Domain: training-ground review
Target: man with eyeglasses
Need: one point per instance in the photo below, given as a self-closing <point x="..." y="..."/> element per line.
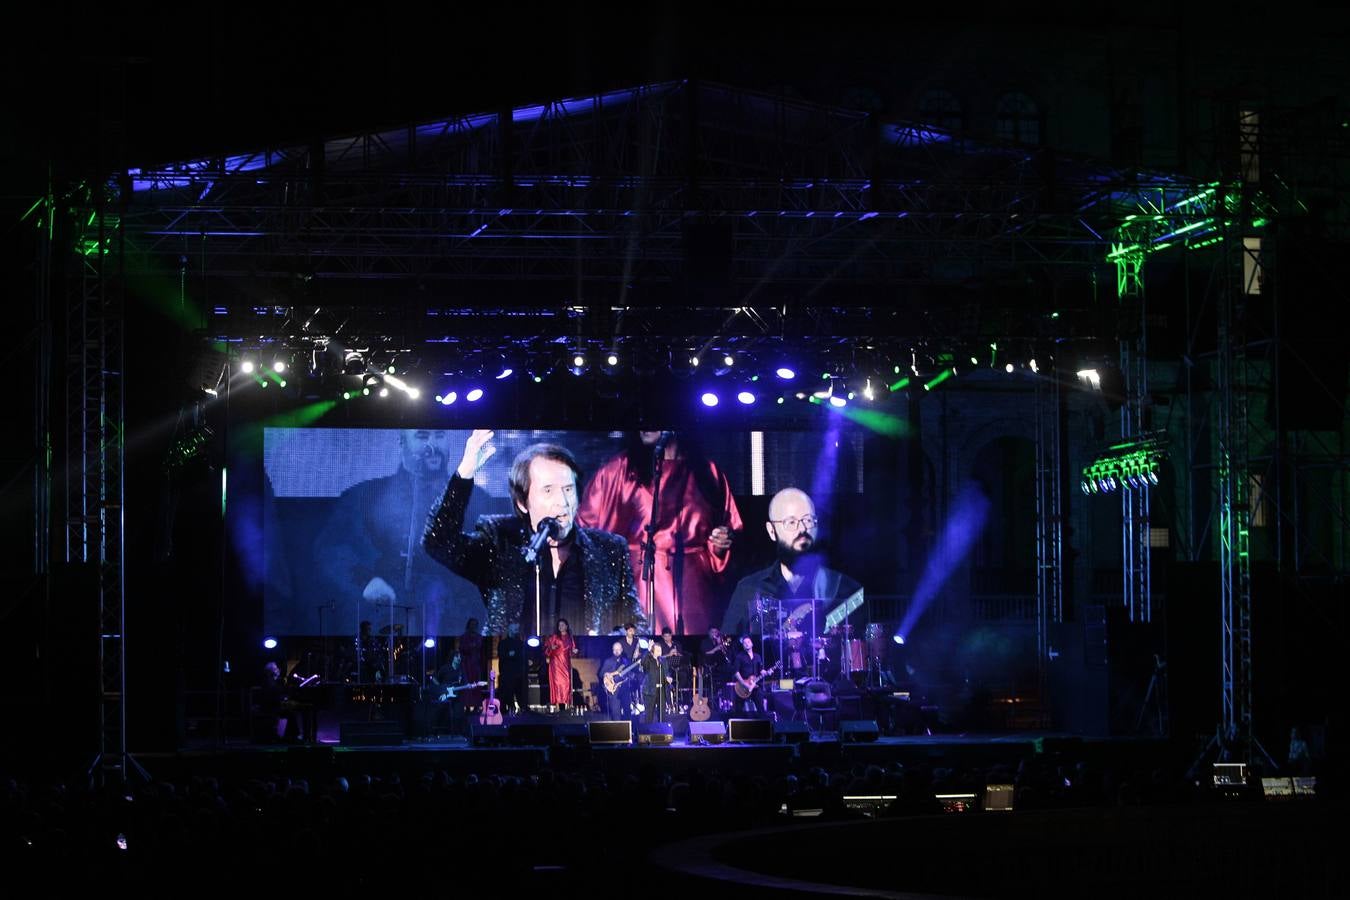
<point x="796" y="573"/>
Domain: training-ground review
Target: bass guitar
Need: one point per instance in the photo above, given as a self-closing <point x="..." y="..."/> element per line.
<point x="745" y="690"/>
<point x="614" y="679"/>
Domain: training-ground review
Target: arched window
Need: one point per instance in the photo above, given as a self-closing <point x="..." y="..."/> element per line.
<point x="1017" y="118"/>
<point x="940" y="109"/>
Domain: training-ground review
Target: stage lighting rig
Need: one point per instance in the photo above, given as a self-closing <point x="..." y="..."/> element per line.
<point x="1133" y="465"/>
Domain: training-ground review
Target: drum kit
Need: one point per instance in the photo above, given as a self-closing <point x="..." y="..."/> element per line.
<point x="387" y="653"/>
<point x="795" y="632"/>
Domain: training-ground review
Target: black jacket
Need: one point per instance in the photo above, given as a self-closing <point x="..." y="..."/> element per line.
<point x="819" y="582"/>
<point x="491" y="558"/>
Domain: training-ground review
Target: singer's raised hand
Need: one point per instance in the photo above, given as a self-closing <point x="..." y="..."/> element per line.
<point x="478" y="449"/>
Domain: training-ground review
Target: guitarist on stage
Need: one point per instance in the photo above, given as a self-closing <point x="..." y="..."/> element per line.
<point x="749" y="670"/>
<point x="618" y="702"/>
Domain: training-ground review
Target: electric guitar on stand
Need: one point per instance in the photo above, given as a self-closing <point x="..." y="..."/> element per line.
<point x="492" y="707"/>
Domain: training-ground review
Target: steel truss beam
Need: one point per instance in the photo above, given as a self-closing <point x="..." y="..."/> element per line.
<point x="608" y="188"/>
<point x="95" y="421"/>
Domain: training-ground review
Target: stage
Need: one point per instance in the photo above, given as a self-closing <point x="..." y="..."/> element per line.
<point x="564" y="746"/>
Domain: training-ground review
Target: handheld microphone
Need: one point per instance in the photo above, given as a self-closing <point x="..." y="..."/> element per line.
<point x="661" y="442"/>
<point x="548" y="528"/>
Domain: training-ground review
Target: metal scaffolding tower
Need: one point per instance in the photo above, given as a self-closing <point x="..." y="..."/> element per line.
<point x="1049" y="416"/>
<point x="95" y="466"/>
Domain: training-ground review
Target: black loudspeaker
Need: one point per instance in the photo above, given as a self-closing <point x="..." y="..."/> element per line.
<point x="529" y="734"/>
<point x="792" y="732"/>
<point x="1312" y="371"/>
<point x="757" y="731"/>
<point x="1193" y="649"/>
<point x="1100" y="670"/>
<point x="487" y="735"/>
<point x="656" y="733"/>
<point x="571" y="734"/>
<point x="370" y="734"/>
<point x="616" y="732"/>
<point x="707" y="732"/>
<point x="852" y="731"/>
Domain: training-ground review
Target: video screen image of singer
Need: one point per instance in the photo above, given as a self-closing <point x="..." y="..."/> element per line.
<point x="330" y="526"/>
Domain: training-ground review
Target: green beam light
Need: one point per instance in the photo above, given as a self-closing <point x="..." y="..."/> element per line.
<point x="873" y="420"/>
<point x="298" y="418"/>
<point x="941" y="377"/>
<point x="900" y="385"/>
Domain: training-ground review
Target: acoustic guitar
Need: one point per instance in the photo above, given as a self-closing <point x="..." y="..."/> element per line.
<point x="492" y="707"/>
<point x="699" y="710"/>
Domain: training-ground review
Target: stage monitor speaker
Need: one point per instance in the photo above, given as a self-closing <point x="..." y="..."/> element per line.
<point x="757" y="731"/>
<point x="370" y="734"/>
<point x="707" y="732"/>
<point x="529" y="734"/>
<point x="615" y="732"/>
<point x="656" y="733"/>
<point x="792" y="732"/>
<point x="855" y="730"/>
<point x="571" y="734"/>
<point x="487" y="735"/>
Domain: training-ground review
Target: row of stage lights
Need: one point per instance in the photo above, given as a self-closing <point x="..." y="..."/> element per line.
<point x="271" y="643"/>
<point x="833" y="389"/>
<point x="1131" y="466"/>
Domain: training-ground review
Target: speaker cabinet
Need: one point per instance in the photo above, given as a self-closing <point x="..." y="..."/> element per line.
<point x="615" y="732"/>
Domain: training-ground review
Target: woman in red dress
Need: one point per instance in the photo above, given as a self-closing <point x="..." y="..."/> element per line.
<point x="558" y="650"/>
<point x="695" y="526"/>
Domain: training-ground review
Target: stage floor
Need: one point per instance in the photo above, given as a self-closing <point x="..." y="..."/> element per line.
<point x="569" y="750"/>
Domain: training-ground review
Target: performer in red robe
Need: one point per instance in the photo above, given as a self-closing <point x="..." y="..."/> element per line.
<point x="695" y="526"/>
<point x="558" y="650"/>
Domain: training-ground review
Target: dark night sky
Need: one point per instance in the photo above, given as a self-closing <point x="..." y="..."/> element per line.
<point x="236" y="78"/>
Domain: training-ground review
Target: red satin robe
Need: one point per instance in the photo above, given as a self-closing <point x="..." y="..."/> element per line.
<point x="688" y="573"/>
<point x="558" y="650"/>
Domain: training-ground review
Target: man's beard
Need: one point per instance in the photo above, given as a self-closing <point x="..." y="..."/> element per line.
<point x="427" y="464"/>
<point x="788" y="554"/>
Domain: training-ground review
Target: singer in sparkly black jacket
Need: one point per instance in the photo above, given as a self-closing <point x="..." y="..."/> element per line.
<point x="492" y="558"/>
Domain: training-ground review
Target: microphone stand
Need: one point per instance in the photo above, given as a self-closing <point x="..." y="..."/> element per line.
<point x="649" y="542"/>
